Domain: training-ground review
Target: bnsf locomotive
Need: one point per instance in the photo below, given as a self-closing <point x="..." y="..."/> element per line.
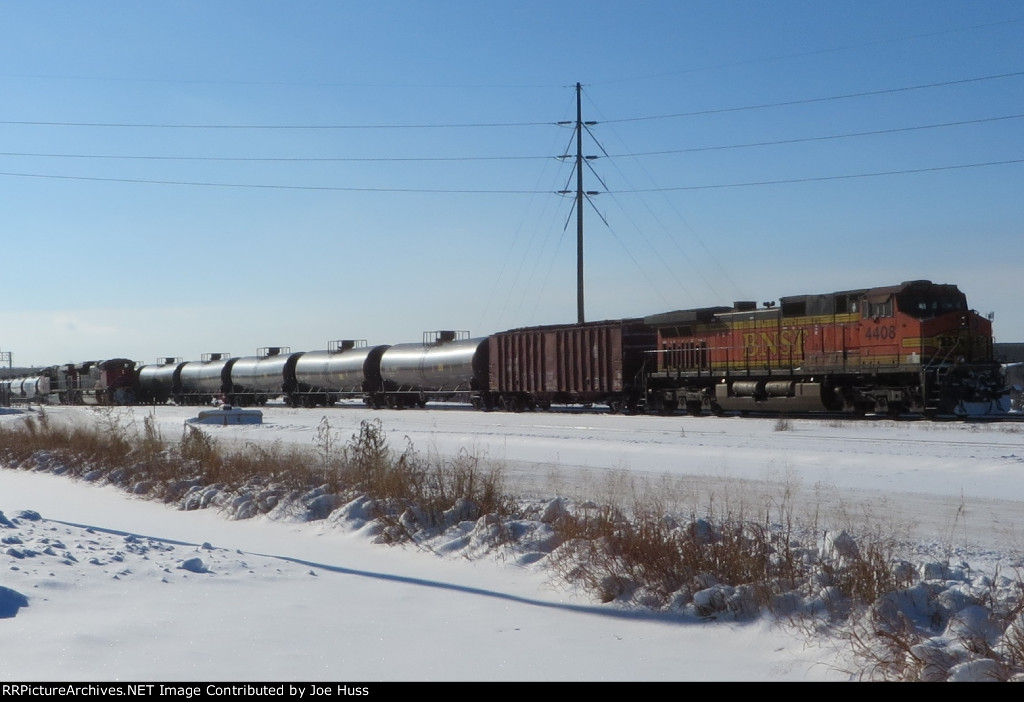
<point x="914" y="347"/>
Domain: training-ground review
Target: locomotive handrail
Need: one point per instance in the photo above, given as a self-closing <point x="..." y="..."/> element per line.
<point x="934" y="362"/>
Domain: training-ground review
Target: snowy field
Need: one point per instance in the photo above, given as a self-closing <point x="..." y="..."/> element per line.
<point x="109" y="598"/>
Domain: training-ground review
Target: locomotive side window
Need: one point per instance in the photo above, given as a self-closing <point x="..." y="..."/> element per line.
<point x="845" y="304"/>
<point x="878" y="309"/>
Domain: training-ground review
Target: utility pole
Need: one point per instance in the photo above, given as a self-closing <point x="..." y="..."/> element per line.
<point x="580" y="317"/>
<point x="580" y="195"/>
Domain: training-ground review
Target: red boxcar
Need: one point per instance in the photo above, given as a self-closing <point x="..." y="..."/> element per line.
<point x="592" y="363"/>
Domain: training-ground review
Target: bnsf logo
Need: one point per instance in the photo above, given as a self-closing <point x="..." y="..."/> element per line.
<point x="789" y="342"/>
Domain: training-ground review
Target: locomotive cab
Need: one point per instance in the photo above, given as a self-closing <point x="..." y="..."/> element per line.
<point x="935" y="351"/>
<point x="924" y="300"/>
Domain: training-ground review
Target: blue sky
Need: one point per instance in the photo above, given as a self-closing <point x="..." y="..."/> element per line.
<point x="188" y="177"/>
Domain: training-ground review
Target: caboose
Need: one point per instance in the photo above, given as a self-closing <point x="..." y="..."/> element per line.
<point x="914" y="347"/>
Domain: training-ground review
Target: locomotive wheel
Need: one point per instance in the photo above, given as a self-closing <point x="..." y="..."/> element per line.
<point x="895" y="409"/>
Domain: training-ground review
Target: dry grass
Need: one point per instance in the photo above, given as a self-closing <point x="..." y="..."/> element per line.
<point x="414" y="491"/>
<point x="613" y="552"/>
<point x="435" y="490"/>
<point x="641" y="550"/>
<point x="888" y="646"/>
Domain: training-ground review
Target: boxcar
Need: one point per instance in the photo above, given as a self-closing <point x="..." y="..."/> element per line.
<point x="591" y="363"/>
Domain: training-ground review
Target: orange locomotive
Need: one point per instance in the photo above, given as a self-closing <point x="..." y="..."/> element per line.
<point x="913" y="347"/>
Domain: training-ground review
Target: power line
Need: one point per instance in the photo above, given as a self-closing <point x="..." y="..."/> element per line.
<point x="808" y="101"/>
<point x="331" y="188"/>
<point x="432" y="159"/>
<point x="815" y="52"/>
<point x="798" y="140"/>
<point x="849" y="176"/>
<point x="282" y="159"/>
<point x="284" y="127"/>
<point x="143" y="181"/>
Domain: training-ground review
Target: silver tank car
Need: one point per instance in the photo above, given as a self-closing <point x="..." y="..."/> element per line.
<point x="348" y="368"/>
<point x="442" y="366"/>
<point x="158" y="383"/>
<point x="200" y="381"/>
<point x="256" y="379"/>
<point x="26" y="389"/>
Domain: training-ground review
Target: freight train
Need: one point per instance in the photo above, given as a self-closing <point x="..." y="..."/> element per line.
<point x="909" y="348"/>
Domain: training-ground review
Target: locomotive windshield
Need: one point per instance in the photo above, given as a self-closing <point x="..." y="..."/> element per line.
<point x="931" y="302"/>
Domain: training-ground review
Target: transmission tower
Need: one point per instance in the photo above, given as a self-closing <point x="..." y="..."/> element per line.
<point x="580" y="193"/>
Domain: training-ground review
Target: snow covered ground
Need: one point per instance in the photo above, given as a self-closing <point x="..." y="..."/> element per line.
<point x="109" y="598"/>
